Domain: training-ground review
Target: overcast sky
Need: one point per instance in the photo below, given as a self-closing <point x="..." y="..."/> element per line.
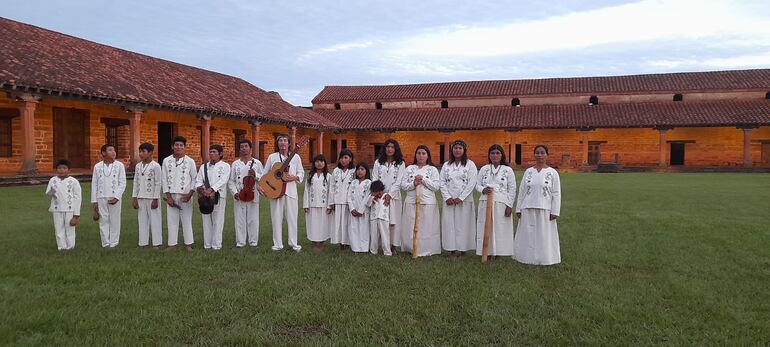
<point x="297" y="47"/>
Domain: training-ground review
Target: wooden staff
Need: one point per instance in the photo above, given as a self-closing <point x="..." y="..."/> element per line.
<point x="415" y="241"/>
<point x="487" y="226"/>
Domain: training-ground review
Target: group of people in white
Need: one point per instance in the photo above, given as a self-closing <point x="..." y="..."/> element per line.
<point x="350" y="205"/>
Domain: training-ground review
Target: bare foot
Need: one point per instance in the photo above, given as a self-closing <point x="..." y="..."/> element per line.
<point x="188" y="248"/>
<point x="171" y="248"/>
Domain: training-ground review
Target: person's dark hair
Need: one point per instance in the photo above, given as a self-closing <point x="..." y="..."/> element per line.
<point x="313" y="169"/>
<point x="366" y="167"/>
<point x="218" y="148"/>
<point x="398" y="157"/>
<point x="61" y="162"/>
<point x="503" y="161"/>
<point x="343" y="153"/>
<point x="541" y="145"/>
<point x="429" y="161"/>
<point x="179" y="139"/>
<point x="377" y="186"/>
<point x="149" y="147"/>
<point x="105" y="147"/>
<point x="245" y="141"/>
<point x="464" y="158"/>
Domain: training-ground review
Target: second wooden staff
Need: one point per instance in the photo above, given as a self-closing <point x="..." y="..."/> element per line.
<point x="487" y="226"/>
<point x="415" y="241"/>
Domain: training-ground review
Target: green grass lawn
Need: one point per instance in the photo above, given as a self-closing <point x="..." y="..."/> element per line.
<point x="648" y="259"/>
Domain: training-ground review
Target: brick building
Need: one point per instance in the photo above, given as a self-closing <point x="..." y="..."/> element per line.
<point x="64" y="97"/>
<point x="693" y="120"/>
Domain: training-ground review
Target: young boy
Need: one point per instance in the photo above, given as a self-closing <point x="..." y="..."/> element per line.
<point x="146" y="194"/>
<point x="64" y="191"/>
<point x="107" y="187"/>
<point x="380" y="216"/>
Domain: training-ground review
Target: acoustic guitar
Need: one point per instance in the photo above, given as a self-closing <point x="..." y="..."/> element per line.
<point x="272" y="182"/>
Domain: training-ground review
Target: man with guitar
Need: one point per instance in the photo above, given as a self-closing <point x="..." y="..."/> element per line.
<point x="284" y="205"/>
<point x="244" y="174"/>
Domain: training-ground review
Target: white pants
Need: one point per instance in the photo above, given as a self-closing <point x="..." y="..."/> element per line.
<point x="109" y="222"/>
<point x="284" y="206"/>
<point x="379" y="230"/>
<point x="396" y="208"/>
<point x="213" y="225"/>
<point x="173" y="215"/>
<point x="246" y="222"/>
<point x="65" y="234"/>
<point x="150" y="220"/>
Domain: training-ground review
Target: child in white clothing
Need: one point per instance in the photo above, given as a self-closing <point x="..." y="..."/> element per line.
<point x="379" y="215"/>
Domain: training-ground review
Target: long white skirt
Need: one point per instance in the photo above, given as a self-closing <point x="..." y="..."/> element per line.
<point x="340" y="223"/>
<point x="429" y="232"/>
<point x="458" y="227"/>
<point x="359" y="233"/>
<point x="501" y="240"/>
<point x="317" y="223"/>
<point x="537" y="238"/>
<point x="396" y="209"/>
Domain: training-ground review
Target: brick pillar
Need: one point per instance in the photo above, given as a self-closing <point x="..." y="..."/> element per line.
<point x="205" y="137"/>
<point x="746" y="147"/>
<point x="293" y="138"/>
<point x="135" y="125"/>
<point x="320" y="142"/>
<point x="512" y="152"/>
<point x="255" y="127"/>
<point x="662" y="147"/>
<point x="447" y="150"/>
<point x="29" y="152"/>
<point x="584" y="151"/>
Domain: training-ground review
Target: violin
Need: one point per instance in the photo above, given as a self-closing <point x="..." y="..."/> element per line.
<point x="249" y="181"/>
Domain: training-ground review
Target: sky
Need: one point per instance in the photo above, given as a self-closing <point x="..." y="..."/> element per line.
<point x="298" y="47"/>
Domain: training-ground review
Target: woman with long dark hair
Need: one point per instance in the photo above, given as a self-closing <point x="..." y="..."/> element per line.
<point x="458" y="216"/>
<point x="316" y="202"/>
<point x="496" y="180"/>
<point x="343" y="174"/>
<point x="422" y="176"/>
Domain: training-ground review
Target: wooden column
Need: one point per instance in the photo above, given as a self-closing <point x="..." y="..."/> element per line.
<point x="447" y="150"/>
<point x="29" y="152"/>
<point x="135" y="124"/>
<point x="255" y="127"/>
<point x="662" y="147"/>
<point x="339" y="145"/>
<point x="746" y="147"/>
<point x="205" y="137"/>
<point x="320" y="142"/>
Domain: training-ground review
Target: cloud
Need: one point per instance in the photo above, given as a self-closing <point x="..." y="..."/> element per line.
<point x="742" y="61"/>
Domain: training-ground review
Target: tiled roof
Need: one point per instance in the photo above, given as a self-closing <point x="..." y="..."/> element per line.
<point x="32" y="57"/>
<point x="633" y="84"/>
<point x="670" y="114"/>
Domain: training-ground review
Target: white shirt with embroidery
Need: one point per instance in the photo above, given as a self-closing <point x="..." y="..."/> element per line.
<point x="540" y="190"/>
<point x="178" y="175"/>
<point x="65" y="195"/>
<point x="219" y="175"/>
<point x="391" y="176"/>
<point x="358" y="194"/>
<point x="295" y="168"/>
<point x="430" y="182"/>
<point x="147" y="181"/>
<point x="239" y="170"/>
<point x="341" y="179"/>
<point x="458" y="180"/>
<point x="108" y="181"/>
<point x="317" y="194"/>
<point x="501" y="179"/>
<point x="378" y="209"/>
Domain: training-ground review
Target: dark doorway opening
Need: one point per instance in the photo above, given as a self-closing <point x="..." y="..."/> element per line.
<point x="166" y="133"/>
<point x="70" y="136"/>
<point x="677" y="153"/>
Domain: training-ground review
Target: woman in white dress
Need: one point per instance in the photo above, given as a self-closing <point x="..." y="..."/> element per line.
<point x="359" y="213"/>
<point x="424" y="176"/>
<point x="389" y="168"/>
<point x="458" y="217"/>
<point x="343" y="174"/>
<point x="497" y="179"/>
<point x="315" y="203"/>
<point x="538" y="207"/>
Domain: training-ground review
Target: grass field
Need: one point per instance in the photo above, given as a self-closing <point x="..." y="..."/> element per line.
<point x="648" y="259"/>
